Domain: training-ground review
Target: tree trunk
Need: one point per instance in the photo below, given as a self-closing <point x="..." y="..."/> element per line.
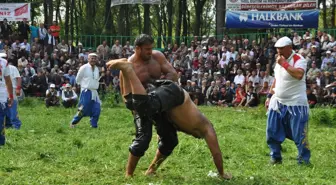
<point x="45" y="11"/>
<point x="89" y="8"/>
<point x="121" y="17"/>
<point x="139" y="19"/>
<point x="127" y="21"/>
<point x="178" y="22"/>
<point x="164" y="18"/>
<point x="146" y="19"/>
<point x="67" y="17"/>
<point x="170" y="20"/>
<point x="50" y="12"/>
<point x="333" y="6"/>
<point x="159" y="23"/>
<point x="58" y="4"/>
<point x="220" y="17"/>
<point x="185" y="20"/>
<point x="199" y="4"/>
<point x="77" y="25"/>
<point x="108" y="17"/>
<point x="325" y="24"/>
<point x="72" y="30"/>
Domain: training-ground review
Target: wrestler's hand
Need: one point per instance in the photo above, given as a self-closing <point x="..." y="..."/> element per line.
<point x="17" y="92"/>
<point x="10" y="102"/>
<point x="267" y="102"/>
<point x="280" y="59"/>
<point x="226" y="176"/>
<point x="109" y="63"/>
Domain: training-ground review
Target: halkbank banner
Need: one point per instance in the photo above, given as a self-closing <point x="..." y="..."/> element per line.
<point x="272" y="19"/>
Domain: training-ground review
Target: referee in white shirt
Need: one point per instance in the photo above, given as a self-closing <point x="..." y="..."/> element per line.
<point x="89" y="102"/>
<point x="288" y="104"/>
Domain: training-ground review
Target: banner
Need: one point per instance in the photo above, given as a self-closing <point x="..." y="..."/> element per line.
<point x="271" y="4"/>
<point x="121" y="2"/>
<point x="14" y="11"/>
<point x="272" y="19"/>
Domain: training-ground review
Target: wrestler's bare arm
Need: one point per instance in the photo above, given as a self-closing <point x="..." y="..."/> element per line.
<point x="166" y="68"/>
<point x="272" y="87"/>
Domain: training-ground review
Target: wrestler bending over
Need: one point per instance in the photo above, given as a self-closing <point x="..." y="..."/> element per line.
<point x="182" y="111"/>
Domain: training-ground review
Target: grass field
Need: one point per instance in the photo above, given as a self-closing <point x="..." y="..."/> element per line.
<point x="47" y="151"/>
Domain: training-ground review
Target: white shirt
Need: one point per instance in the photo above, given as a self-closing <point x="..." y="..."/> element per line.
<point x="3" y="72"/>
<point x="254" y="79"/>
<point x="14" y="74"/>
<point x="289" y="90"/>
<point x="89" y="79"/>
<point x="74" y="96"/>
<point x="239" y="79"/>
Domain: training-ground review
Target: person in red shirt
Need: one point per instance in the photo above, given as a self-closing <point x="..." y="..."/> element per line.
<point x="55" y="30"/>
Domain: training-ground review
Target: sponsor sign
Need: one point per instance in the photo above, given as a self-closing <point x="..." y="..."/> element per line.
<point x="272" y="19"/>
<point x="14" y="11"/>
<point x="271" y="4"/>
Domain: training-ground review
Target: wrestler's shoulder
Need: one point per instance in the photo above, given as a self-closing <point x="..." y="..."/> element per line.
<point x="158" y="56"/>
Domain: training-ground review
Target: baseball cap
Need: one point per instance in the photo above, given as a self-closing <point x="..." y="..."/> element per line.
<point x="93" y="54"/>
<point x="52" y="86"/>
<point x="67" y="85"/>
<point x="328" y="52"/>
<point x="282" y="42"/>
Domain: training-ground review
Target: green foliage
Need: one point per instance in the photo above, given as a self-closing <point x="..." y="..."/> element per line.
<point x="47" y="151"/>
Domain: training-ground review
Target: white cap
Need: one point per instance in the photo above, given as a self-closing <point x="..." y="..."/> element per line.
<point x="3" y="55"/>
<point x="204" y="47"/>
<point x="282" y="42"/>
<point x="93" y="54"/>
<point x="328" y="51"/>
<point x="52" y="86"/>
<point x="67" y="85"/>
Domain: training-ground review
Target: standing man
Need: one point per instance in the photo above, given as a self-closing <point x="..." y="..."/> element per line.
<point x="12" y="112"/>
<point x="287" y="104"/>
<point x="5" y="100"/>
<point x="89" y="102"/>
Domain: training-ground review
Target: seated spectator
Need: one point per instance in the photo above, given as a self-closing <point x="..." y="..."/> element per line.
<point x="240" y="96"/>
<point x="52" y="96"/>
<point x="312" y="72"/>
<point x="312" y="100"/>
<point x="225" y="98"/>
<point x="214" y="97"/>
<point x="69" y="97"/>
<point x="264" y="90"/>
<point x="251" y="98"/>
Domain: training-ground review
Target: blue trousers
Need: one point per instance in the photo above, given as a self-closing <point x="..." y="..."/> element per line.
<point x="12" y="118"/>
<point x="290" y="122"/>
<point x="2" y="124"/>
<point x="87" y="107"/>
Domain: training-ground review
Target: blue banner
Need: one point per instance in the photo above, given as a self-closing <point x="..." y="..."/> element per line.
<point x="272" y="19"/>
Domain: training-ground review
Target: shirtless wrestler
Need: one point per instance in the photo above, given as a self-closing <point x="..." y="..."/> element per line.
<point x="167" y="99"/>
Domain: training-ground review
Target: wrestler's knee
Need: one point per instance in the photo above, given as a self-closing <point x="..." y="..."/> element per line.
<point x="167" y="145"/>
<point x="140" y="146"/>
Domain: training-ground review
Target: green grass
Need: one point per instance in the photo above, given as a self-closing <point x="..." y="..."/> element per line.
<point x="47" y="151"/>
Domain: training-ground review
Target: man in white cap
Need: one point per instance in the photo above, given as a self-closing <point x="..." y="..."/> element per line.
<point x="52" y="96"/>
<point x="287" y="104"/>
<point x="6" y="95"/>
<point x="69" y="97"/>
<point x="89" y="102"/>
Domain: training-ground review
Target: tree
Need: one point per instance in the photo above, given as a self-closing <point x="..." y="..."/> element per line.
<point x="220" y="16"/>
<point x="199" y="4"/>
<point x="146" y="29"/>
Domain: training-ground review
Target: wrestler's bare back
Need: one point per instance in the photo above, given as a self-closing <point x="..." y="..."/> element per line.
<point x="186" y="116"/>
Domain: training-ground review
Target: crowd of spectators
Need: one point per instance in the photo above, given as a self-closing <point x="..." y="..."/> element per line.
<point x="226" y="72"/>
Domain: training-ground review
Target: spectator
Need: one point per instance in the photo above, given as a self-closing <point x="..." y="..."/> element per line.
<point x="55" y="30"/>
<point x="52" y="96"/>
<point x="69" y="97"/>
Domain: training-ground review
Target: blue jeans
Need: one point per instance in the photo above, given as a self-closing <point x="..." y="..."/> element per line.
<point x="12" y="118"/>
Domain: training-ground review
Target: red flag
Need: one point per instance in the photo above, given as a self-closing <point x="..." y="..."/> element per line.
<point x="21" y="10"/>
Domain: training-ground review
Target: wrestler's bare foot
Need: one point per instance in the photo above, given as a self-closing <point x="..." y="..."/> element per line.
<point x="150" y="171"/>
<point x="121" y="64"/>
<point x="226" y="176"/>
